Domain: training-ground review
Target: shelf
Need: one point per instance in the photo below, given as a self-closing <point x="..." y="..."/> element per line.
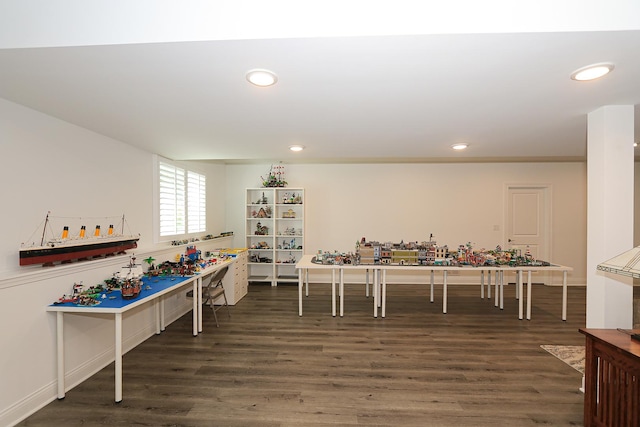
<point x="260" y="279"/>
<point x="283" y="231"/>
<point x="287" y="279"/>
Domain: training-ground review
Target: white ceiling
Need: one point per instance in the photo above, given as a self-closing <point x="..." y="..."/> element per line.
<point x="350" y="98"/>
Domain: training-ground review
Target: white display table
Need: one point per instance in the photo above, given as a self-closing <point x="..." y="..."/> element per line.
<point x="159" y="288"/>
<point x="380" y="282"/>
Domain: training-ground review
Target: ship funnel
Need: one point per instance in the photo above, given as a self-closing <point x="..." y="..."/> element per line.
<point x="110" y="229"/>
<point x="83" y="230"/>
<point x="97" y="232"/>
<point x="65" y="232"/>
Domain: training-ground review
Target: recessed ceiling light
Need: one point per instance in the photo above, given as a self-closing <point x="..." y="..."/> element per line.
<point x="592" y="72"/>
<point x="635" y="144"/>
<point x="459" y="146"/>
<point x="296" y="147"/>
<point x="262" y="78"/>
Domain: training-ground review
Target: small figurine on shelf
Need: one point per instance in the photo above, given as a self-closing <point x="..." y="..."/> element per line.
<point x="262" y="213"/>
<point x="261" y="230"/>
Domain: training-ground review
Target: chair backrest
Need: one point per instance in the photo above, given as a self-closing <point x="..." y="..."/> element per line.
<point x="218" y="276"/>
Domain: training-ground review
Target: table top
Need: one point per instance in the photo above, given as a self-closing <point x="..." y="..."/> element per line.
<point x="152" y="287"/>
<point x="305" y="262"/>
<point x="617" y="338"/>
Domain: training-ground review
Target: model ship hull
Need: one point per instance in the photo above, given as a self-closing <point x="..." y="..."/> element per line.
<point x="68" y="252"/>
<point x="130" y="288"/>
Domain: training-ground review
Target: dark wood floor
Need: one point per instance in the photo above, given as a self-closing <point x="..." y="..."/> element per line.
<point x="475" y="366"/>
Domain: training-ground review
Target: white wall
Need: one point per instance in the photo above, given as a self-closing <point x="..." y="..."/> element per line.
<point x="458" y="203"/>
<point x="52" y="165"/>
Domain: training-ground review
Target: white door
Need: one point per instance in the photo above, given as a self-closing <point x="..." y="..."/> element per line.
<point x="528" y="222"/>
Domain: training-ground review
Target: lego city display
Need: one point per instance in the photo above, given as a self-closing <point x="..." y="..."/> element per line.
<point x="428" y="253"/>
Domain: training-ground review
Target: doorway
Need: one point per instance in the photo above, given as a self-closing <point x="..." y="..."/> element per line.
<point x="528" y="222"/>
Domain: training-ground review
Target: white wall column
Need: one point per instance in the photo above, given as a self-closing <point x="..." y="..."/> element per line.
<point x="610" y="177"/>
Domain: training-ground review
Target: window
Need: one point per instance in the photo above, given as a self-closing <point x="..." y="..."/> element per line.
<point x="182" y="201"/>
<point x="196" y="202"/>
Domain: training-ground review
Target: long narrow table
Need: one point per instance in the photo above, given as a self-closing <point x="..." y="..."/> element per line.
<point x="153" y="291"/>
<point x="380" y="282"/>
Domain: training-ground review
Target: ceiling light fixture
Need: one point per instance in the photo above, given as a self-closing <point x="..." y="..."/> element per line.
<point x="459" y="146"/>
<point x="296" y="148"/>
<point x="592" y="72"/>
<point x="262" y="78"/>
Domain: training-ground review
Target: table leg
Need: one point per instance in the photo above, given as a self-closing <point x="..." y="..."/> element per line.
<point x="118" y="356"/>
<point x="333" y="292"/>
<point x="502" y="290"/>
<point x="60" y="350"/>
<point x="519" y="285"/>
<point x="156" y="312"/>
<point x="496" y="289"/>
<point x="375" y="293"/>
<point x="306" y="281"/>
<point x="444" y="291"/>
<point x="432" y="282"/>
<point x="366" y="283"/>
<point x="379" y="288"/>
<point x="341" y="292"/>
<point x="518" y="291"/>
<point x="162" y="325"/>
<point x="564" y="295"/>
<point x="199" y="280"/>
<point x="384" y="293"/>
<point x="195" y="308"/>
<point x="489" y="284"/>
<point x="529" y="286"/>
<point x="481" y="284"/>
<point x="300" y="284"/>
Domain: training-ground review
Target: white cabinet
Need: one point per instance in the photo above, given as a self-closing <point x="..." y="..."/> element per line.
<point x="235" y="281"/>
<point x="274" y="233"/>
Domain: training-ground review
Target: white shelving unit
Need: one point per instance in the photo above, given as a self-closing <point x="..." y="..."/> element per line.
<point x="274" y="233"/>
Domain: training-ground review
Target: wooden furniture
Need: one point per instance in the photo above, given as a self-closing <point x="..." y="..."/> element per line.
<point x="159" y="287"/>
<point x="612" y="378"/>
<point x="274" y="232"/>
<point x="380" y="282"/>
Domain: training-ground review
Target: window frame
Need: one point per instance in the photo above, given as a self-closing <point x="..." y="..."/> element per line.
<point x="189" y="184"/>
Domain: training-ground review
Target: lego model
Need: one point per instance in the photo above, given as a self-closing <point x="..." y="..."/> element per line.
<point x="67" y="248"/>
<point x="427" y="252"/>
